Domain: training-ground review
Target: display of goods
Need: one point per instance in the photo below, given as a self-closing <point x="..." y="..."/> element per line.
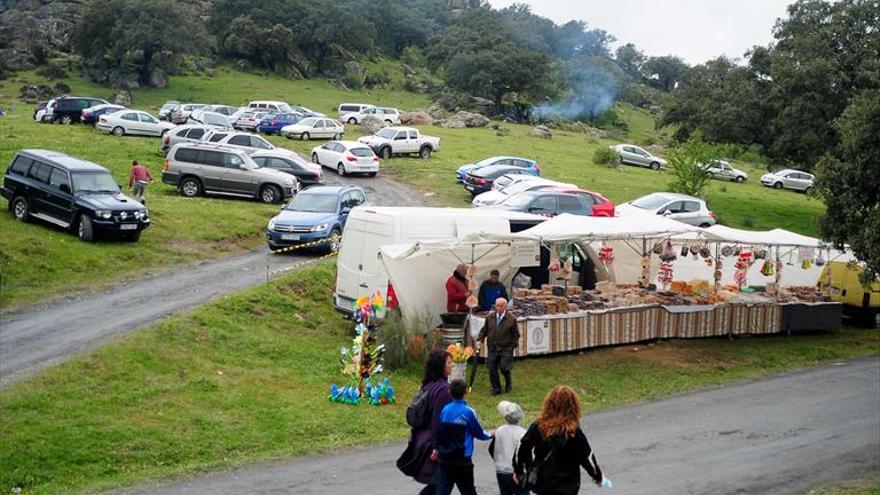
<point x="657" y="248"/>
<point x="472" y="271"/>
<point x="680" y="287"/>
<point x="664" y="275"/>
<point x="472" y="302"/>
<point x="646" y="271"/>
<point x="760" y="254"/>
<point x="820" y="260"/>
<point x="472" y="284"/>
<point x="574" y="290"/>
<point x="684" y="251"/>
<point x="671" y="299"/>
<point x="705" y="252"/>
<point x="520" y="293"/>
<point x="527" y="307"/>
<point x="727" y="251"/>
<point x="695" y="248"/>
<point x="554" y="265"/>
<point x="668" y="254"/>
<point x="806" y="264"/>
<point x="806" y="293"/>
<point x="567" y="268"/>
<point x="606" y="286"/>
<point x="767" y="269"/>
<point x="606" y="255"/>
<point x="806" y="254"/>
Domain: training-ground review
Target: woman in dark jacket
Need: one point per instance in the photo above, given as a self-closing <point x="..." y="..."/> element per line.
<point x="557" y="448"/>
<point x="422" y="441"/>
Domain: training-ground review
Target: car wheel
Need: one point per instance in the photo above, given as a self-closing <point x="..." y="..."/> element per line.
<point x="740" y="179"/>
<point x="66" y="119"/>
<point x="304" y="136"/>
<point x="315" y="158"/>
<point x="808" y="190"/>
<point x="84" y="230"/>
<point x="425" y="152"/>
<point x="133" y="236"/>
<point x="371" y="174"/>
<point x="270" y="194"/>
<point x="352" y="121"/>
<point x="288" y="136"/>
<point x="777" y="185"/>
<point x="340" y="169"/>
<point x="21" y="210"/>
<point x="385" y="152"/>
<point x="297" y="186"/>
<point x="337" y="137"/>
<point x="190" y="187"/>
<point x="118" y="131"/>
<point x="655" y="165"/>
<point x="334" y="241"/>
<point x="704" y="225"/>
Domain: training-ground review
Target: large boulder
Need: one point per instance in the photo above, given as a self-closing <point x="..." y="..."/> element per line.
<point x="416" y="118"/>
<point x="123" y="98"/>
<point x="542" y="132"/>
<point x="372" y="125"/>
<point x="482" y="102"/>
<point x="354" y="74"/>
<point x="467" y="119"/>
<point x="436" y="111"/>
<point x="158" y="79"/>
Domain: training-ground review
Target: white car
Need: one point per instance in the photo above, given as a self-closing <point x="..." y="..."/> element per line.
<point x="314" y="127"/>
<point x="133" y="122"/>
<point x="346" y="157"/>
<point x="401" y="141"/>
<point x="211" y="119"/>
<point x="633" y="155"/>
<point x="181" y="113"/>
<point x="521" y="183"/>
<point x="719" y="169"/>
<point x="681" y="207"/>
<point x="241" y="140"/>
<point x="391" y="116"/>
<point x="789" y="179"/>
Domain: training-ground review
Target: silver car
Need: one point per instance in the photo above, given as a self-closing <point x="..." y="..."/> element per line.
<point x="789" y="179"/>
<point x="719" y="169"/>
<point x="196" y="168"/>
<point x="681" y="207"/>
<point x="237" y="139"/>
<point x="633" y="155"/>
<point x="183" y="134"/>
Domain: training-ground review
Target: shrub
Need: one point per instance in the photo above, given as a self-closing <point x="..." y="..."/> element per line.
<point x="54" y="69"/>
<point x="686" y="163"/>
<point x="406" y="345"/>
<point x="748" y="222"/>
<point x="606" y="156"/>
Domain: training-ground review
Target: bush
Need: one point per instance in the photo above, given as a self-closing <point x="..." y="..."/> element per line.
<point x="606" y="156"/>
<point x="377" y="76"/>
<point x="686" y="163"/>
<point x="54" y="69"/>
<point x="406" y="345"/>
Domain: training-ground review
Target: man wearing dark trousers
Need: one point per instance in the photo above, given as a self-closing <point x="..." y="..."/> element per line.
<point x="502" y="336"/>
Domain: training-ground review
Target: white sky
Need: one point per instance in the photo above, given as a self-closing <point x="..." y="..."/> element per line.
<point x="695" y="30"/>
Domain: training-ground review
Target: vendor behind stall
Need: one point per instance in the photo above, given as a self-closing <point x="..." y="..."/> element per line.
<point x="491" y="290"/>
<point x="457" y="290"/>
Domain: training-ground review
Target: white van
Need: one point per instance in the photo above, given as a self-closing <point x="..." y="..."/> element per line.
<point x="347" y="108"/>
<point x="270" y="106"/>
<point x="359" y="272"/>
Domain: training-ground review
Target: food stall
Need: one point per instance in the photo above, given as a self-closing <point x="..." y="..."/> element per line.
<point x="655" y="278"/>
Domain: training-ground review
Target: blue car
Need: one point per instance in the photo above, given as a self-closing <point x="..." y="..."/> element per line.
<point x="272" y="124"/>
<point x="515" y="161"/>
<point x="314" y="214"/>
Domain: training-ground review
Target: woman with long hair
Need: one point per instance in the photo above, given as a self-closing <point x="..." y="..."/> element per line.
<point x="416" y="459"/>
<point x="555" y="447"/>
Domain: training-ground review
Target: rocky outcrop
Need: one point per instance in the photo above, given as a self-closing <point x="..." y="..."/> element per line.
<point x="542" y="132"/>
<point x="123" y="98"/>
<point x="416" y="118"/>
<point x="466" y="119"/>
<point x="35" y="31"/>
<point x="371" y="125"/>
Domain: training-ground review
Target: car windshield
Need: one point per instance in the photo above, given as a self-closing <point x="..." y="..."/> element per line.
<point x="650" y="202"/>
<point x="169" y="106"/>
<point x="518" y="201"/>
<point x="307" y="122"/>
<point x="487" y="161"/>
<point x="517" y="187"/>
<point x="94" y="182"/>
<point x="387" y="133"/>
<point x="313" y="203"/>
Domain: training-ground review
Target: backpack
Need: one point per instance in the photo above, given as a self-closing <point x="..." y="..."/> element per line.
<point x="418" y="413"/>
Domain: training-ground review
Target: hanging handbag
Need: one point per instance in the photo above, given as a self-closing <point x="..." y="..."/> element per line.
<point x="530" y="477"/>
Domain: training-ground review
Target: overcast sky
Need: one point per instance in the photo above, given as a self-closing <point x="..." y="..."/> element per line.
<point x="695" y="30"/>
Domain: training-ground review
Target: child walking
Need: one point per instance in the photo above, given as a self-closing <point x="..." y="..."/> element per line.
<point x="504" y="446"/>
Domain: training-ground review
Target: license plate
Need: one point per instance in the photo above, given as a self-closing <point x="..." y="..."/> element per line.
<point x="290" y="237"/>
<point x="128" y="226"/>
<point x="469" y="188"/>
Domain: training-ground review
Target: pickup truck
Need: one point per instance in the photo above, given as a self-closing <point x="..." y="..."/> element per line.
<point x="401" y="141"/>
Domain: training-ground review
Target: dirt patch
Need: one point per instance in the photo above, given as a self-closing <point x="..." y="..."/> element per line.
<point x="673" y="355"/>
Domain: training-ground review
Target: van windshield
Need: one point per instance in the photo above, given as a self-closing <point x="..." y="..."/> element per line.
<point x="94" y="182"/>
<point x="313" y="203"/>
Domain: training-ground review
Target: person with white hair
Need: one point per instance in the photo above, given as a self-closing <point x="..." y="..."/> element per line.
<point x="501" y="333"/>
<point x="504" y="446"/>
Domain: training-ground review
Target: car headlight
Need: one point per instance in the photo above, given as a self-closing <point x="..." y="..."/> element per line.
<point x="271" y="224"/>
<point x="289" y="182"/>
<point x="104" y="214"/>
<point x="320" y="227"/>
<point x="139" y="214"/>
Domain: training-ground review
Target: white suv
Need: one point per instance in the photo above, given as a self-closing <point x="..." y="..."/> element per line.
<point x="391" y="116"/>
<point x="241" y="140"/>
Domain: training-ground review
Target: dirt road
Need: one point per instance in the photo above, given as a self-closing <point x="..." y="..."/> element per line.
<point x="36" y="337"/>
<point x="781" y="435"/>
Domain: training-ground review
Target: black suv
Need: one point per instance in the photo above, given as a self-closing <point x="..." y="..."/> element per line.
<point x="71" y="193"/>
<point x="68" y="109"/>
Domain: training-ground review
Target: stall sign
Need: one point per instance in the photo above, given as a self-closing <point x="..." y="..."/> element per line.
<point x="538" y="339"/>
<point x="524" y="254"/>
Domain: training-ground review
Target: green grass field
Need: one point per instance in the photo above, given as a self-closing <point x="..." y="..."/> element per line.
<point x="246" y="378"/>
<point x="38" y="261"/>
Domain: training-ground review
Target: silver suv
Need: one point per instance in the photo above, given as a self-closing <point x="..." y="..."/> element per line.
<point x="235" y="139"/>
<point x="195" y="168"/>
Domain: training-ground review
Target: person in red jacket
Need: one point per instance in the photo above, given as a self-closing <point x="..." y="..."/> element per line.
<point x="457" y="290"/>
<point x="138" y="178"/>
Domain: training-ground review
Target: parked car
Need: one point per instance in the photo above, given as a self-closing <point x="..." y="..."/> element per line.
<point x="181" y="113"/>
<point x="390" y="116"/>
<point x="196" y="168"/>
<point x="401" y="141"/>
<point x="38" y="108"/>
<point x="270" y="106"/>
<point x="516" y="161"/>
<point x="272" y="123"/>
<point x="789" y="179"/>
<point x="41" y="114"/>
<point x="236" y="139"/>
<point x="90" y="115"/>
<point x="347" y="108"/>
<point x="248" y="120"/>
<point x="346" y="157"/>
<point x="307" y="173"/>
<point x="71" y="193"/>
<point x="316" y="213"/>
<point x="68" y="109"/>
<point x="182" y="134"/>
<point x="221" y="109"/>
<point x="167" y="108"/>
<point x="548" y="202"/>
<point x="633" y="155"/>
<point x="600" y="205"/>
<point x="481" y="179"/>
<point x="211" y="119"/>
<point x="681" y="207"/>
<point x="720" y="169"/>
<point x="133" y="122"/>
<point x="518" y="184"/>
<point x="314" y="127"/>
<point x="306" y="112"/>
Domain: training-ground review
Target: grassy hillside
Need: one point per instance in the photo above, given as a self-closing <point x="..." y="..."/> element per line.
<point x="39" y="261"/>
<point x="246" y="378"/>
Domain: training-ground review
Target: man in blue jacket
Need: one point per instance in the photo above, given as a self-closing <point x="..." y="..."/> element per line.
<point x="455" y="444"/>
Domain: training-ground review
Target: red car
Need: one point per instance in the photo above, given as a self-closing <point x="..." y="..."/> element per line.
<point x="602" y="206"/>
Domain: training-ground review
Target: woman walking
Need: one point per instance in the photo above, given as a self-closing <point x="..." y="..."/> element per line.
<point x="556" y="448"/>
<point x="416" y="459"/>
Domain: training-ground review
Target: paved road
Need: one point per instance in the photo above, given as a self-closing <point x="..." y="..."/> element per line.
<point x="781" y="435"/>
<point x="37" y="337"/>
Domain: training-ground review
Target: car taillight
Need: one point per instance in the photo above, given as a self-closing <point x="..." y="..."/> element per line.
<point x="351" y="158"/>
<point x="375" y="158"/>
<point x="103" y="119"/>
<point x="274" y="122"/>
<point x="167" y="139"/>
<point x="712" y="214"/>
<point x="481" y="181"/>
<point x="318" y="175"/>
<point x="538" y="168"/>
<point x="165" y="165"/>
<point x="391" y="298"/>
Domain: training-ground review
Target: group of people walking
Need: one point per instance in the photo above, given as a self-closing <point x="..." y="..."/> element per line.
<point x="544" y="458"/>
